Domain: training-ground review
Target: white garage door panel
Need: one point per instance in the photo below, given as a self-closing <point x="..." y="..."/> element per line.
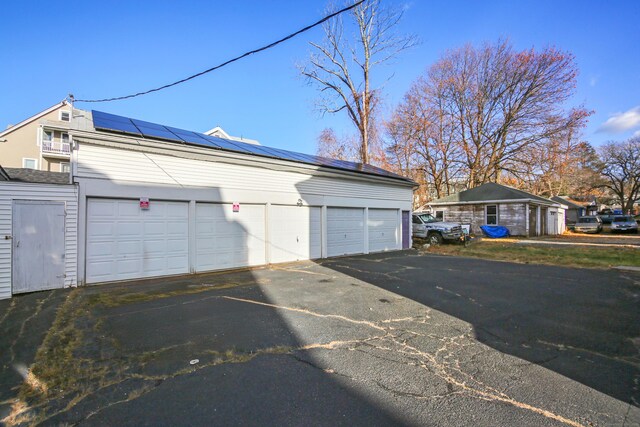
<point x="345" y="231"/>
<point x="295" y="233"/>
<point x="126" y="242"/>
<point x="383" y="230"/>
<point x="227" y="239"/>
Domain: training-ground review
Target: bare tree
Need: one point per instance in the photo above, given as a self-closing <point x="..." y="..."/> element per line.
<point x="621" y="170"/>
<point x="504" y="102"/>
<point x="331" y="146"/>
<point x="493" y="114"/>
<point x="341" y="67"/>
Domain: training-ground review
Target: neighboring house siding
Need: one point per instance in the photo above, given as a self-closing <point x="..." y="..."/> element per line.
<point x="23" y="143"/>
<point x="124" y="165"/>
<point x="514" y="217"/>
<point x="10" y="191"/>
<point x="510" y="215"/>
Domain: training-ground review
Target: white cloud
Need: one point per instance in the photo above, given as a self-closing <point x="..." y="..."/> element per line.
<point x="636" y="134"/>
<point x="621" y="122"/>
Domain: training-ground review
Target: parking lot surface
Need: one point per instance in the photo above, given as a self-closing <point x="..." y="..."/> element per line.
<point x="389" y="339"/>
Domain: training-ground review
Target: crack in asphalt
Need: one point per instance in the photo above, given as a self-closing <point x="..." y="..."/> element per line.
<point x="447" y="369"/>
<point x="12" y="306"/>
<point x="23" y="325"/>
<point x="630" y="360"/>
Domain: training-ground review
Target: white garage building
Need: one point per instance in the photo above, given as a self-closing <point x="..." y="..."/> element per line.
<point x="157" y="201"/>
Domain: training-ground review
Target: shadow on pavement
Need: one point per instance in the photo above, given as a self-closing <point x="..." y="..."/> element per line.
<point x="583" y="324"/>
<point x="180" y="351"/>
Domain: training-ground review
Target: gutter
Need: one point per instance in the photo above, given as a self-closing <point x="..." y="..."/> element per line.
<point x="484" y="202"/>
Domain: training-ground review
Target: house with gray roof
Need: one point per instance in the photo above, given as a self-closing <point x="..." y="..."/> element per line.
<point x="575" y="209"/>
<point x="523" y="213"/>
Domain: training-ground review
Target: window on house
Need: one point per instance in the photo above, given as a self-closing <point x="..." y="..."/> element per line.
<point x="29" y="163"/>
<point x="64" y="137"/>
<point x="65" y="167"/>
<point x="65" y="116"/>
<point x="440" y="215"/>
<point x="492" y="215"/>
<point x="47" y="135"/>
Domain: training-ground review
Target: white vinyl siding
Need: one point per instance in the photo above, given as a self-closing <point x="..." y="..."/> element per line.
<point x="227" y="239"/>
<point x="384" y="230"/>
<point x="345" y="231"/>
<point x="67" y="194"/>
<point x="125" y="165"/>
<point x="296" y="233"/>
<point x="127" y="242"/>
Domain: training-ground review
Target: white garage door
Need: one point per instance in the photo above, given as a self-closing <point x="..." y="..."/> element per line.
<point x="227" y="239"/>
<point x="126" y="242"/>
<point x="384" y="232"/>
<point x="295" y="233"/>
<point x="345" y="231"/>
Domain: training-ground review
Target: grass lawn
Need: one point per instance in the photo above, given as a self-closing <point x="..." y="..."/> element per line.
<point x="573" y="256"/>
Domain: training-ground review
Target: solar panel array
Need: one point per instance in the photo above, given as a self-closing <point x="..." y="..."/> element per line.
<point x="119" y="124"/>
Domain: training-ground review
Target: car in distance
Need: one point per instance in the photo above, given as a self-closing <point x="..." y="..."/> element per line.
<point x="435" y="231"/>
<point x="624" y="223"/>
<point x="588" y="224"/>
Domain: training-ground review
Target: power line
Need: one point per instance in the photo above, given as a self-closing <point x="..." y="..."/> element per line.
<point x="237" y="58"/>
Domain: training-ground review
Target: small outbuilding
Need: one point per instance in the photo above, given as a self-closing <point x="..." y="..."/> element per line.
<point x="574" y="209"/>
<point x="38" y="231"/>
<point x="523" y="213"/>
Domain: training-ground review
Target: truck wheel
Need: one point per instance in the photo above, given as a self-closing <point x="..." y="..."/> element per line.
<point x="434" y="239"/>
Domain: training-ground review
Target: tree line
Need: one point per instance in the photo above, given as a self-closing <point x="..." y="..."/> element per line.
<point x="488" y="113"/>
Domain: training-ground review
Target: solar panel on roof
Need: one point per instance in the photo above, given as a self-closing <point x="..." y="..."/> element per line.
<point x="154" y="130"/>
<point x="188" y="136"/>
<point x="113" y="123"/>
<point x="226" y="144"/>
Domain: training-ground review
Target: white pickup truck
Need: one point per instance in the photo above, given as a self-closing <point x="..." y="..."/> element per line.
<point x="435" y="231"/>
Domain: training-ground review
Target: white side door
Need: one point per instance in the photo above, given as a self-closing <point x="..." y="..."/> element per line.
<point x="295" y="233"/>
<point x="345" y="231"/>
<point x="37" y="246"/>
<point x="227" y="239"/>
<point x="384" y="230"/>
<point x="127" y="242"/>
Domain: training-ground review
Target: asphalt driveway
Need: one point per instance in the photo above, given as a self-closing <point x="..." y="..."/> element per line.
<point x="387" y="339"/>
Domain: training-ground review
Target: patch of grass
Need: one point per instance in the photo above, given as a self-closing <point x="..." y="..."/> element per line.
<point x="575" y="256"/>
<point x="117" y="298"/>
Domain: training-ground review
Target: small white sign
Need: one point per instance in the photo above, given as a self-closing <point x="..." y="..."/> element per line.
<point x="144" y="203"/>
<point x="236" y="207"/>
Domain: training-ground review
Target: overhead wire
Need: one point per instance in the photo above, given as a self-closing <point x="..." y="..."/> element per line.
<point x="237" y="58"/>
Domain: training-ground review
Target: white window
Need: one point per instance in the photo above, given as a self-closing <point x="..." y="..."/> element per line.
<point x="47" y="135"/>
<point x="65" y="116"/>
<point x="29" y="163"/>
<point x="440" y="215"/>
<point x="492" y="215"/>
<point x="65" y="167"/>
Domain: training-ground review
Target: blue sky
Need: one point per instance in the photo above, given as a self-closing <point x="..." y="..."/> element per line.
<point x="105" y="49"/>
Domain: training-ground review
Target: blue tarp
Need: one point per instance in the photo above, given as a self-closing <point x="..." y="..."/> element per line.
<point x="495" y="231"/>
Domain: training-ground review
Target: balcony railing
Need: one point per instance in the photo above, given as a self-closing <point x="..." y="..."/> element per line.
<point x="55" y="147"/>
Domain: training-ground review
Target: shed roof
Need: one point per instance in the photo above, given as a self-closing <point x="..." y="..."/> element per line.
<point x="490" y="192"/>
<point x="35" y="176"/>
<point x="572" y="204"/>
